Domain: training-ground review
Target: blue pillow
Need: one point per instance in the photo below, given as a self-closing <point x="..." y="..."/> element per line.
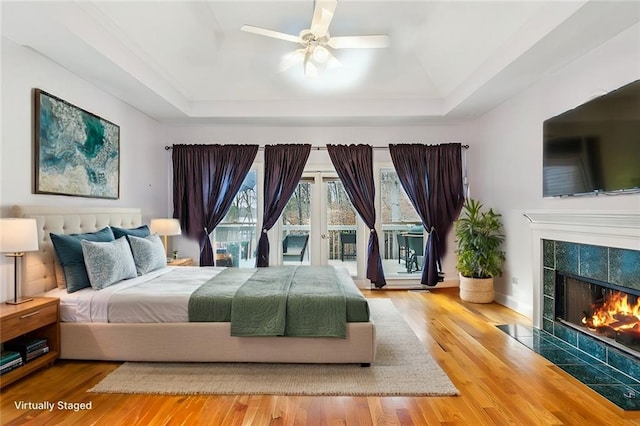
<point x="108" y="262"/>
<point x="140" y="231"/>
<point x="69" y="251"/>
<point x="148" y="253"/>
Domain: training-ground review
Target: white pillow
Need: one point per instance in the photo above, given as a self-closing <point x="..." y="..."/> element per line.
<point x="108" y="262"/>
<point x="148" y="253"/>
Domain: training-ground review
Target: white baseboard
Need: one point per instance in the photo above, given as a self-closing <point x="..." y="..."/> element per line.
<point x="406" y="284"/>
<point x="513" y="304"/>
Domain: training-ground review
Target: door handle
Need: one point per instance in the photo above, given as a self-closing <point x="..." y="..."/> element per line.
<point x="323" y="236"/>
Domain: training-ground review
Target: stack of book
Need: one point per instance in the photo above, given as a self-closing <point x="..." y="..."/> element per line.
<point x="9" y="360"/>
<point x="29" y="348"/>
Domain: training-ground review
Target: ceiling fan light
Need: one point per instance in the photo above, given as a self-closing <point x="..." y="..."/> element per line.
<point x="321" y="54"/>
<point x="310" y="70"/>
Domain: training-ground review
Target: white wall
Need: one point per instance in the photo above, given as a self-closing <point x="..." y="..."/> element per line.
<point x="505" y="165"/>
<point x="142" y="169"/>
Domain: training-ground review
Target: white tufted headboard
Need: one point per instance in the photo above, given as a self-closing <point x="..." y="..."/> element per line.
<point x="38" y="266"/>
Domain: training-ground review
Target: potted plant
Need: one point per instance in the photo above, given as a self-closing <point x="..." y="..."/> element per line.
<point x="479" y="237"/>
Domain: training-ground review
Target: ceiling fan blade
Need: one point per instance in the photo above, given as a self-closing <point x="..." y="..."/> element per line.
<point x="291" y="59"/>
<point x="358" y="42"/>
<point x="322" y="16"/>
<point x="310" y="70"/>
<point x="270" y="33"/>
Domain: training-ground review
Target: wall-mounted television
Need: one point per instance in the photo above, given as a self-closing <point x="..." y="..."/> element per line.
<point x="595" y="147"/>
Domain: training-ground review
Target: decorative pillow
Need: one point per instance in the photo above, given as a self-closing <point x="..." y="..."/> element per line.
<point x="140" y="231"/>
<point x="148" y="253"/>
<point x="108" y="262"/>
<point x="69" y="251"/>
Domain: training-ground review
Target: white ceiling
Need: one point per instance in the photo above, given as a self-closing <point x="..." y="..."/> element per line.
<point x="185" y="62"/>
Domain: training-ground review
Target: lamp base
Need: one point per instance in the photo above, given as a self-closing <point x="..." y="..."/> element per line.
<point x="19" y="301"/>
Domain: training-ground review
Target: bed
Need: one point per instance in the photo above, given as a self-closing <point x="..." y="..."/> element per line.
<point x="178" y="341"/>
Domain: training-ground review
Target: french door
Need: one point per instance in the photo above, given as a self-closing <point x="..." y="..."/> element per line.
<point x="319" y="225"/>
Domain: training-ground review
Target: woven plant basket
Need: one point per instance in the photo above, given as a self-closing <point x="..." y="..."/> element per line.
<point x="476" y="290"/>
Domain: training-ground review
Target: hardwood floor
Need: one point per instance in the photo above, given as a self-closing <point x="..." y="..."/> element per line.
<point x="500" y="381"/>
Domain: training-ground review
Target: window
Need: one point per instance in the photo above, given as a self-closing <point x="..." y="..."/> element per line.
<point x="235" y="237"/>
<point x="296" y="224"/>
<point x="341" y="226"/>
<point x="398" y="218"/>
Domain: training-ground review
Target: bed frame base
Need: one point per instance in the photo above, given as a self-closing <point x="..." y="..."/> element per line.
<point x="210" y="342"/>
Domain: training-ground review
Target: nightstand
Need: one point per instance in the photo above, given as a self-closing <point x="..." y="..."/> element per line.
<point x="184" y="261"/>
<point x="37" y="318"/>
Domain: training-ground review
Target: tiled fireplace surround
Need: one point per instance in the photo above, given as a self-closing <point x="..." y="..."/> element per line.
<point x="592" y="245"/>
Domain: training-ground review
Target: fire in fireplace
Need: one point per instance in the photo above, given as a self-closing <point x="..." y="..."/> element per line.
<point x="617" y="318"/>
<point x="603" y="310"/>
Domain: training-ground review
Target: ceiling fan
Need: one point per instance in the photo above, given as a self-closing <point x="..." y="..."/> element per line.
<point x="316" y="41"/>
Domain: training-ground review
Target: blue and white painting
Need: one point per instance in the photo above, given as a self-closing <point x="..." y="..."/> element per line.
<point x="77" y="153"/>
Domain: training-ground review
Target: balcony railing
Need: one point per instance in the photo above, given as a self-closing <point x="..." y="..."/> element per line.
<point x="244" y="236"/>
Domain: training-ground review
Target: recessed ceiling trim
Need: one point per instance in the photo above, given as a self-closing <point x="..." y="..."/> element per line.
<point x="118" y="47"/>
<point x="544" y="21"/>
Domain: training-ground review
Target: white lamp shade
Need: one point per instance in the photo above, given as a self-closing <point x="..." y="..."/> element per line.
<point x="165" y="226"/>
<point x="18" y="235"/>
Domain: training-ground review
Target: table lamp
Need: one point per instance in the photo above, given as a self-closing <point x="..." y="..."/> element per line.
<point x="165" y="227"/>
<point x="17" y="236"/>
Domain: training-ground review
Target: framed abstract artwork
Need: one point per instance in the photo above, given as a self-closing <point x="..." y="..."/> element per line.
<point x="75" y="152"/>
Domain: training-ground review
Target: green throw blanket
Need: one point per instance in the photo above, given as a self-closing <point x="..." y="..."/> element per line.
<point x="211" y="302"/>
<point x="281" y="301"/>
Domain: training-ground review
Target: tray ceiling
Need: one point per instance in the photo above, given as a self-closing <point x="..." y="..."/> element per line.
<point x="185" y="62"/>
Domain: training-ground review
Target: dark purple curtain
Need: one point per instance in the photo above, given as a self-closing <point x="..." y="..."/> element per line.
<point x="283" y="166"/>
<point x="432" y="178"/>
<point x="206" y="178"/>
<point x="354" y="165"/>
<point x="446" y="189"/>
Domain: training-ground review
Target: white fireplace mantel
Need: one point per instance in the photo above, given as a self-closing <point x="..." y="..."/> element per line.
<point x="607" y="229"/>
<point x="598" y="219"/>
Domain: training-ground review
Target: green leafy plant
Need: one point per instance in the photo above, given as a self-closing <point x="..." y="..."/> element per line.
<point x="479" y="235"/>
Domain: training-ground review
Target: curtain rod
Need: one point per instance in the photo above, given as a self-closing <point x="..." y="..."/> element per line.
<point x="319" y="148"/>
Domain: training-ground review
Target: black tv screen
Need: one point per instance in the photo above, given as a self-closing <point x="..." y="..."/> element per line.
<point x="594" y="148"/>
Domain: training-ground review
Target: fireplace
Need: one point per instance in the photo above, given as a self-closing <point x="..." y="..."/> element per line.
<point x="596" y="248"/>
<point x="605" y="311"/>
<point x="581" y="260"/>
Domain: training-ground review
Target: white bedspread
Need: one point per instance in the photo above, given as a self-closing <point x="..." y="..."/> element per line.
<point x="159" y="296"/>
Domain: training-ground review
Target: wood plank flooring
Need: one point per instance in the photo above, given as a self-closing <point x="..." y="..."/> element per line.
<point x="501" y="382"/>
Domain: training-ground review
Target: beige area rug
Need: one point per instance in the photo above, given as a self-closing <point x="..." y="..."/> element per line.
<point x="402" y="367"/>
